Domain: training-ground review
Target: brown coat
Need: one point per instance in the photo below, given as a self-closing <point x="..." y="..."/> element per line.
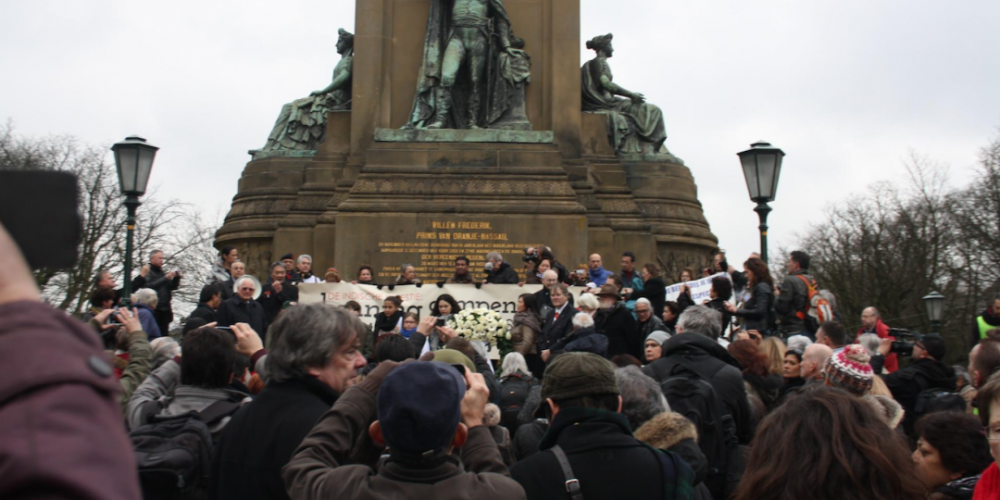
<point x="527" y="326"/>
<point x="61" y="432"/>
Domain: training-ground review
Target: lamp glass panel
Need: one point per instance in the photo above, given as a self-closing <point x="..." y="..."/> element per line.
<point x="777" y="175"/>
<point x="750" y="173"/>
<point x="765" y="169"/>
<point x="127" y="160"/>
<point x="146" y="156"/>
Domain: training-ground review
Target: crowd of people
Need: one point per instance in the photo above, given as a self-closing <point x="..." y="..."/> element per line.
<point x="610" y="391"/>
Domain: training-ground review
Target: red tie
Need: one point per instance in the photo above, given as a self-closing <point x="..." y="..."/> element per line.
<point x="557" y="316"/>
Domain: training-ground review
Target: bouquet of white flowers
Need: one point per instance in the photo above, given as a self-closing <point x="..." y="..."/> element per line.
<point x="484" y="325"/>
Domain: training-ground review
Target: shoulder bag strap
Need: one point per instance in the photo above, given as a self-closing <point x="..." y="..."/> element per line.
<point x="217" y="410"/>
<point x="572" y="483"/>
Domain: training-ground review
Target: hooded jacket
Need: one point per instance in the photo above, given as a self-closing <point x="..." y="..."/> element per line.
<point x="673" y="432"/>
<point x="709" y="356"/>
<point x="527" y="327"/>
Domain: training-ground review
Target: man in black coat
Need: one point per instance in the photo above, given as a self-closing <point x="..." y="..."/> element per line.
<point x="208" y="303"/>
<point x="589" y="448"/>
<point x="614" y="321"/>
<point x="242" y="308"/>
<point x="925" y="372"/>
<point x="152" y="276"/>
<point x="500" y="272"/>
<point x="276" y="292"/>
<point x="544" y="296"/>
<point x="696" y="343"/>
<point x="261" y="438"/>
<point x="559" y="319"/>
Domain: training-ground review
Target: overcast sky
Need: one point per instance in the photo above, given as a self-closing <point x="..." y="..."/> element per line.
<point x="847" y="88"/>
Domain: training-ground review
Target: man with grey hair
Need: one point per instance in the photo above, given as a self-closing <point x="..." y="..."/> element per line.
<point x="304" y="267"/>
<point x="408" y="275"/>
<point x="242" y="308"/>
<point x="314" y="358"/>
<point x="813" y="360"/>
<point x="145" y="301"/>
<point x="498" y="271"/>
<point x="642" y="398"/>
<point x="163" y="283"/>
<point x="583" y="338"/>
<point x="550" y="279"/>
<point x="696" y="350"/>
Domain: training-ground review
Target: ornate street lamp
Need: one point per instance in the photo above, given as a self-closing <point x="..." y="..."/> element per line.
<point x="134" y="158"/>
<point x="762" y="167"/>
<point x="935" y="310"/>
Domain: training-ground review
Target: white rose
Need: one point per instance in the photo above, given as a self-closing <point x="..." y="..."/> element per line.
<point x="508" y="335"/>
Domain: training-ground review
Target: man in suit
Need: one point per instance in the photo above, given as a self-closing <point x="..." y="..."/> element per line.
<point x="559" y="319"/>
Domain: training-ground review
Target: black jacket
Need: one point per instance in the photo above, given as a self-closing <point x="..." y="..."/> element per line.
<point x="608" y="462"/>
<point x="272" y="302"/>
<point x="157" y="280"/>
<point x="756" y="313"/>
<point x="503" y="275"/>
<point x="261" y="437"/>
<point x="582" y="340"/>
<point x="204" y="312"/>
<point x="544" y="298"/>
<point x="655" y="290"/>
<point x="235" y="310"/>
<point x="907" y="383"/>
<point x="554" y="329"/>
<point x="618" y="325"/>
<point x="711" y="357"/>
<point x="528" y="436"/>
<point x="794" y="299"/>
<point x="385" y="323"/>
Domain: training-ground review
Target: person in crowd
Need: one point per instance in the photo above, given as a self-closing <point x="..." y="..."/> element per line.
<point x="431" y="336"/>
<point x="596" y="273"/>
<point x="366" y="276"/>
<point x="547" y="253"/>
<point x="740" y="279"/>
<point x="500" y="434"/>
<point x="951" y="454"/>
<point x="559" y="318"/>
<point x="964" y="386"/>
<point x="409" y="325"/>
<point x="145" y="300"/>
<point x="870" y="463"/>
<point x="100" y="300"/>
<point x="988" y="406"/>
<point x="550" y="279"/>
<point x="654" y="345"/>
<point x="237" y="270"/>
<point x="687" y="274"/>
<point x="462" y="274"/>
<point x="276" y="293"/>
<point x="516" y="382"/>
<point x="242" y="308"/>
<point x="630" y="276"/>
<point x="762" y="385"/>
<point x="798" y="343"/>
<point x="134" y="353"/>
<point x="792" y="302"/>
<point x="391" y="317"/>
<point x="582" y="398"/>
<point x="871" y="342"/>
<point x="986" y="321"/>
<point x="774" y="349"/>
<point x="303" y="269"/>
<point x="588" y="303"/>
<point x="163" y="349"/>
<point x="533" y="272"/>
<point x="152" y="276"/>
<point x="408" y="275"/>
<point x="849" y="370"/>
<point x="926" y="371"/>
<point x="696" y="345"/>
<point x="332" y="275"/>
<point x="756" y="312"/>
<point x="208" y="303"/>
<point x="984" y="361"/>
<point x="60" y="423"/>
<point x="646" y="321"/>
<point x="104" y="281"/>
<point x="792" y="373"/>
<point x="580" y="277"/>
<point x="615" y="322"/>
<point x="368" y="341"/>
<point x="719" y="295"/>
<point x="833" y="335"/>
<point x="653" y="288"/>
<point x="394" y="348"/>
<point x="813" y="360"/>
<point x="616" y="280"/>
<point x="671" y="311"/>
<point x="221" y="268"/>
<point x="313" y="360"/>
<point x="445" y="305"/>
<point x="200" y="379"/>
<point x="871" y="322"/>
<point x="583" y="338"/>
<point x="498" y="271"/>
<point x="288" y="260"/>
<point x="526" y="329"/>
<point x="429" y="417"/>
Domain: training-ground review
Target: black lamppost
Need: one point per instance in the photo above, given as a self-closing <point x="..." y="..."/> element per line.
<point x="134" y="158"/>
<point x="935" y="310"/>
<point x="762" y="167"/>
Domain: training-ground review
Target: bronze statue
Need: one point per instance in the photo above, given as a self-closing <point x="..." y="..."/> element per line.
<point x="634" y="126"/>
<point x="467" y="50"/>
<point x="301" y="125"/>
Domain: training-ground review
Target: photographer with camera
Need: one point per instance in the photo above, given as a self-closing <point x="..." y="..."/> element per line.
<point x="152" y="276"/>
<point x="926" y="372"/>
<point x="498" y="271"/>
<point x="532" y="254"/>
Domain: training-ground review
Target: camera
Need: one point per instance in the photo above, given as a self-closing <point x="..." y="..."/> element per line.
<point x="531" y="255"/>
<point x="442" y="320"/>
<point x="905" y="339"/>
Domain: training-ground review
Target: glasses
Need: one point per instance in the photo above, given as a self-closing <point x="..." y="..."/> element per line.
<point x="247" y="289"/>
<point x="642" y="311"/>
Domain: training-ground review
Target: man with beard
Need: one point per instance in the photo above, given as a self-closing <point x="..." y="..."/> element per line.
<point x="615" y="322"/>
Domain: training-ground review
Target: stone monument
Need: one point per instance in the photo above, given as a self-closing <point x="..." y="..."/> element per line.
<point x="457" y="142"/>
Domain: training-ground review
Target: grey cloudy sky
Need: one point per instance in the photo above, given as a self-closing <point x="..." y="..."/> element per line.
<point x="847" y="88"/>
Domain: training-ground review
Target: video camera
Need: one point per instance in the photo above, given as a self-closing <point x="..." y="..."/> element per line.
<point x="905" y="339"/>
<point x="531" y="255"/>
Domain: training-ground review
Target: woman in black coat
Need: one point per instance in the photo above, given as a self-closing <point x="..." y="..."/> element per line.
<point x="653" y="288"/>
<point x="756" y="312"/>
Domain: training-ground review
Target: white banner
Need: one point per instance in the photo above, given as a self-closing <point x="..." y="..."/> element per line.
<point x="700" y="289"/>
<point x="419" y="299"/>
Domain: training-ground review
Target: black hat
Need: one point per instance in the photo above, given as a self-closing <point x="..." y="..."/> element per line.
<point x="420" y="406"/>
<point x="934" y="345"/>
<point x="287" y="256"/>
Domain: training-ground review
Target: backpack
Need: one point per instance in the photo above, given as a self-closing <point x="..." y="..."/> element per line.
<point x="936" y="399"/>
<point x="513" y="393"/>
<point x="689" y="392"/>
<point x="174" y="453"/>
<point x="818" y="309"/>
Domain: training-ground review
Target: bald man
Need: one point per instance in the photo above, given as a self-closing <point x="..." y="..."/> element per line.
<point x="813" y="361"/>
<point x="598" y="275"/>
<point x="871" y="322"/>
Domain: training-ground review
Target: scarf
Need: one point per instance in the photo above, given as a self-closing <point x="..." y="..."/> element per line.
<point x="988" y="487"/>
<point x="406" y="333"/>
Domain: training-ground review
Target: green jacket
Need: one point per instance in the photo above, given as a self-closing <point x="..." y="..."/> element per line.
<point x="139" y="366"/>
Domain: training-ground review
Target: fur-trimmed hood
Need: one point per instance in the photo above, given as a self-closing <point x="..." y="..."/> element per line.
<point x="665" y="430"/>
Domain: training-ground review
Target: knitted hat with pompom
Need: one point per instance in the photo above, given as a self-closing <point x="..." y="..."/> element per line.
<point x="849" y="370"/>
